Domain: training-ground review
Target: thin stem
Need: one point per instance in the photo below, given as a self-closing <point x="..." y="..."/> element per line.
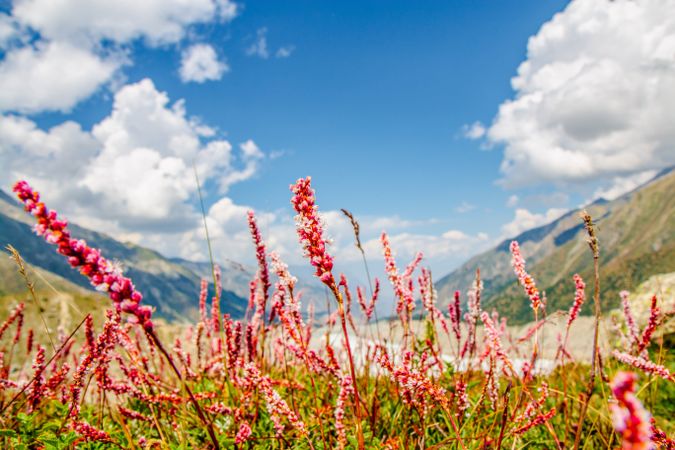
<point x="200" y="413"/>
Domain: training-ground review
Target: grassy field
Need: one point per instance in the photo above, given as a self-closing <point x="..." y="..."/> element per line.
<point x="106" y="376"/>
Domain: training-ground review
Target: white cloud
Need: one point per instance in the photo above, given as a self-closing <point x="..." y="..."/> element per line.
<point x="525" y="220"/>
<point x="9" y="30"/>
<point x="285" y="52"/>
<point x="259" y="47"/>
<point x="199" y="63"/>
<point x="595" y="96"/>
<point x="474" y="131"/>
<point x="512" y="201"/>
<point x="51" y="76"/>
<point x="465" y="207"/>
<point x="622" y="185"/>
<point x="157" y="21"/>
<point x="133" y="171"/>
<point x="79" y="45"/>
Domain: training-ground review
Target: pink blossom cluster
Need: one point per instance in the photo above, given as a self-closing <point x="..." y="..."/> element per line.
<point x="579" y="297"/>
<point x="455" y="313"/>
<point x="281" y="269"/>
<point x="263" y="271"/>
<point x="368" y="308"/>
<point x="243" y="434"/>
<point x="415" y="385"/>
<point x="631" y="420"/>
<point x="630" y="320"/>
<point x="525" y="279"/>
<point x="16" y="314"/>
<point x="402" y="283"/>
<point x="652" y="323"/>
<point x="103" y="274"/>
<point x="310" y="230"/>
<point x="461" y="397"/>
<point x="643" y="364"/>
<point x="346" y="389"/>
<point x="493" y="340"/>
<point x="276" y="406"/>
<point x="90" y="433"/>
<point x="538" y="420"/>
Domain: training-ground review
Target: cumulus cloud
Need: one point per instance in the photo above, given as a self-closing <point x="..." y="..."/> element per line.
<point x="156" y="21"/>
<point x="51" y="76"/>
<point x="133" y="171"/>
<point x="525" y="220"/>
<point x="74" y="38"/>
<point x="595" y="96"/>
<point x="199" y="63"/>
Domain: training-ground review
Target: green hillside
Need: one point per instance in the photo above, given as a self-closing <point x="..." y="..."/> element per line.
<point x="637" y="240"/>
<point x="172" y="287"/>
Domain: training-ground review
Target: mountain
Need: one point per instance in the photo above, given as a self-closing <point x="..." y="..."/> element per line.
<point x="172" y="286"/>
<point x="637" y="240"/>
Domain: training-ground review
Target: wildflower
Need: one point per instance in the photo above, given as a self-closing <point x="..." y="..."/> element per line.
<point x="643" y="364"/>
<point x="103" y="274"/>
<point x="37" y="388"/>
<point x="525" y="279"/>
<point x="630" y="418"/>
<point x="402" y="283"/>
<point x="13" y="316"/>
<point x="215" y="301"/>
<point x="203" y="290"/>
<point x="538" y="420"/>
<point x="630" y="320"/>
<point x="310" y="230"/>
<point x="276" y="406"/>
<point x="579" y="297"/>
<point x="368" y="308"/>
<point x="89" y="433"/>
<point x="455" y="316"/>
<point x="281" y="269"/>
<point x="243" y="434"/>
<point x="493" y="340"/>
<point x="653" y="322"/>
<point x="263" y="272"/>
<point x="346" y="389"/>
<point x="461" y="396"/>
<point x="659" y="437"/>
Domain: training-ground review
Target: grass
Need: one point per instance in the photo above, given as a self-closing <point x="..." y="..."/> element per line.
<point x="270" y="380"/>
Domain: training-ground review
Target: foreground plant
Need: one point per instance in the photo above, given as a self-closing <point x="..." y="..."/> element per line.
<point x="456" y="380"/>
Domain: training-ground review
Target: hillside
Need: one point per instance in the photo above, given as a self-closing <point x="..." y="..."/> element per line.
<point x="637" y="240"/>
<point x="172" y="286"/>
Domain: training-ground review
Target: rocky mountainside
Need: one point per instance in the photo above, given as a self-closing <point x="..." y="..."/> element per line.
<point x="637" y="240"/>
<point x="172" y="286"/>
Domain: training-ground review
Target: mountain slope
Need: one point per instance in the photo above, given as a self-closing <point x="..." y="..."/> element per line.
<point x="170" y="286"/>
<point x="637" y="240"/>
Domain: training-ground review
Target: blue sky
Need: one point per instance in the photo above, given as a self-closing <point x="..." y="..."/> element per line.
<point x="373" y="99"/>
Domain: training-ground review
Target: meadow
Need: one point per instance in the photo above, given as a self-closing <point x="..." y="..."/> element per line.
<point x="426" y="378"/>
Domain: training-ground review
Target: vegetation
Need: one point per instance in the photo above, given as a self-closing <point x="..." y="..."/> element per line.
<point x="263" y="382"/>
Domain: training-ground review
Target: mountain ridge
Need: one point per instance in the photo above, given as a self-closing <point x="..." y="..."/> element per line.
<point x="170" y="286"/>
<point x="637" y="240"/>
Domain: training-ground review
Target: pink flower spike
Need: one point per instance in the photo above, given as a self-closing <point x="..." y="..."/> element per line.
<point x="579" y="297"/>
<point x="630" y="320"/>
<point x="525" y="279"/>
<point x="310" y="230"/>
<point x="631" y="420"/>
<point x="103" y="274"/>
